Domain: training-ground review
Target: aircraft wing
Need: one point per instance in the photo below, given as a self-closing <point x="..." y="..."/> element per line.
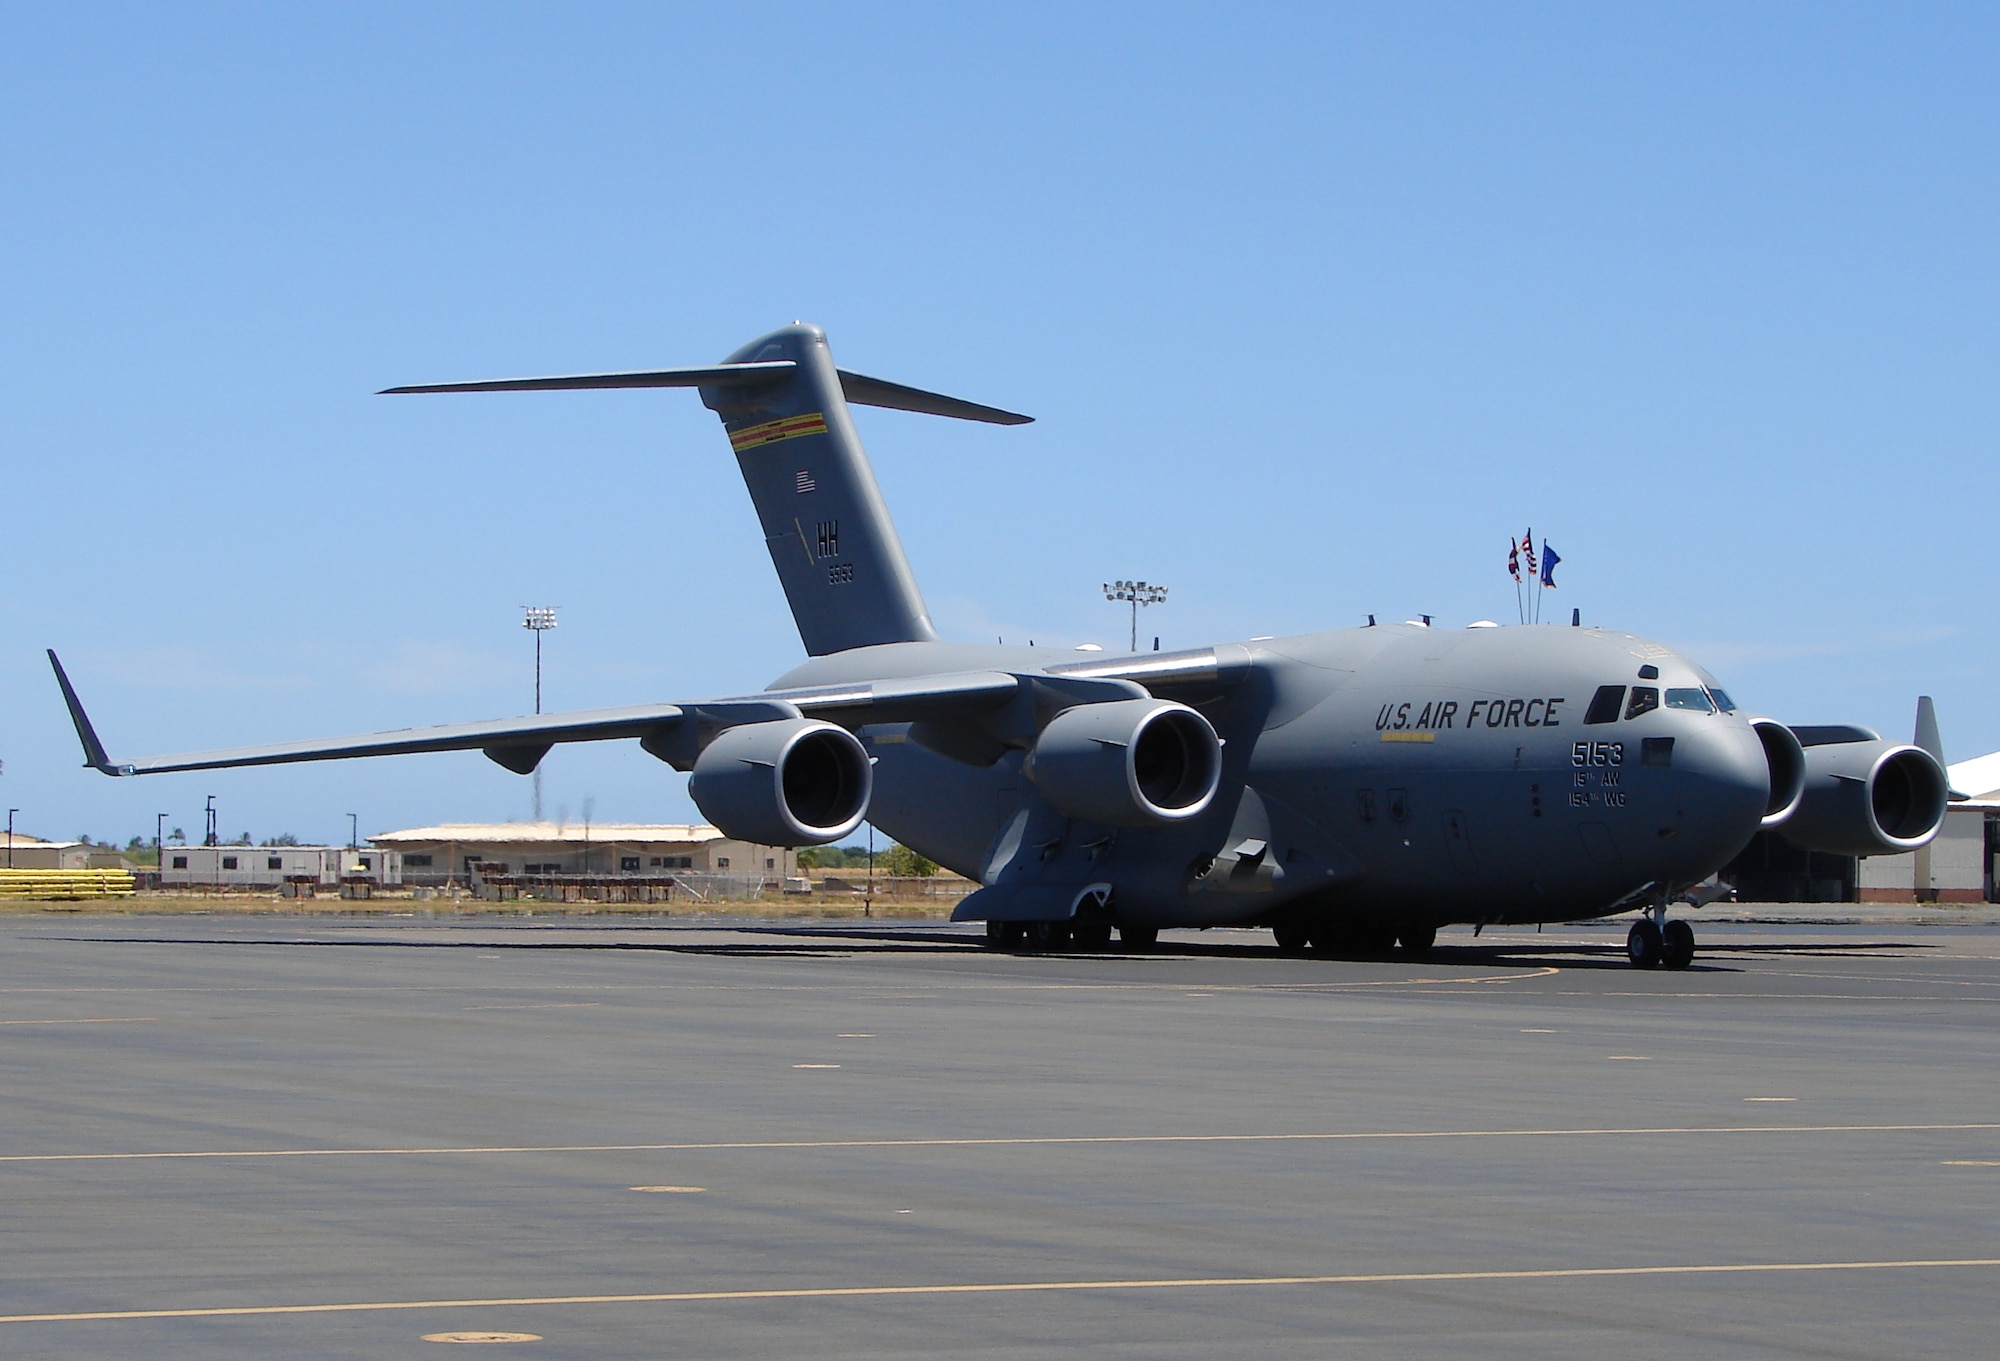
<point x="519" y="744"/>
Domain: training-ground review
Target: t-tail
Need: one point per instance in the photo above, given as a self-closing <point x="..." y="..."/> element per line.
<point x="785" y="407"/>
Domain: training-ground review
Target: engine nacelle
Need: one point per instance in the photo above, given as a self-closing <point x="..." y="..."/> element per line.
<point x="1128" y="762"/>
<point x="1786" y="760"/>
<point x="791" y="782"/>
<point x="1868" y="798"/>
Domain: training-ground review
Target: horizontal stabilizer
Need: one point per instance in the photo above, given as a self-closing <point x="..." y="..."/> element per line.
<point x="865" y="391"/>
<point x="857" y="387"/>
<point x="708" y="375"/>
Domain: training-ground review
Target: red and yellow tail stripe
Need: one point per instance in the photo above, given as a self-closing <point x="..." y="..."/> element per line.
<point x="770" y="432"/>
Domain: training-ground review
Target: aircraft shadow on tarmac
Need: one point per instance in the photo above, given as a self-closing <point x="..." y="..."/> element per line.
<point x="830" y="943"/>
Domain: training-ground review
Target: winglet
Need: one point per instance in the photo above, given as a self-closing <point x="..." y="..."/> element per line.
<point x="93" y="750"/>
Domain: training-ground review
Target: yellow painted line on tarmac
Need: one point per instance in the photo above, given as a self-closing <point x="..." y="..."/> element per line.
<point x="1020" y="1141"/>
<point x="1033" y="1287"/>
<point x="85" y="1020"/>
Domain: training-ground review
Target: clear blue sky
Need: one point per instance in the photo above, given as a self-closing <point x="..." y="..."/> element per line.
<point x="1315" y="305"/>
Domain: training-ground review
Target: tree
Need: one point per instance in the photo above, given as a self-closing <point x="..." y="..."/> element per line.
<point x="178" y="835"/>
<point x="900" y="862"/>
<point x="283" y="839"/>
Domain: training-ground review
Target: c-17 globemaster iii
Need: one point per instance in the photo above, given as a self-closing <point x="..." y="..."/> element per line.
<point x="1351" y="790"/>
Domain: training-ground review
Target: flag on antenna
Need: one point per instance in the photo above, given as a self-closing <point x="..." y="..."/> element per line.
<point x="1549" y="560"/>
<point x="1514" y="561"/>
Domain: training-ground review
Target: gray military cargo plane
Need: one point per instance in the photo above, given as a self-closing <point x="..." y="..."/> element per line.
<point x="1351" y="790"/>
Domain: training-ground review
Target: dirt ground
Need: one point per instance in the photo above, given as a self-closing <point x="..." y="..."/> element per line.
<point x="815" y="906"/>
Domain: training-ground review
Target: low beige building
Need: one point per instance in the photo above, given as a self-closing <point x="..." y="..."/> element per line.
<point x="462" y="852"/>
<point x="24" y="852"/>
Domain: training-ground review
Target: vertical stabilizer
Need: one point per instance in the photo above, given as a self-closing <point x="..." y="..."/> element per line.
<point x="1927" y="735"/>
<point x="784" y="405"/>
<point x="824" y="520"/>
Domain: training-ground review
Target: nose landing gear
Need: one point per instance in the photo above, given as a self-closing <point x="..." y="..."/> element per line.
<point x="1655" y="942"/>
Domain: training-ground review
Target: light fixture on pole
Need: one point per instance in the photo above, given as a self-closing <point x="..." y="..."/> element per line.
<point x="1138" y="593"/>
<point x="160" y="842"/>
<point x="10" y="836"/>
<point x="538" y="619"/>
<point x="353" y="832"/>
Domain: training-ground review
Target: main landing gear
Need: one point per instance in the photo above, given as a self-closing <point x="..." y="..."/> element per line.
<point x="1048" y="937"/>
<point x="1656" y="943"/>
<point x="1372" y="941"/>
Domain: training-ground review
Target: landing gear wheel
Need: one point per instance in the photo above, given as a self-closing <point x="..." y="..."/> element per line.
<point x="1644" y="946"/>
<point x="1677" y="945"/>
<point x="1138" y="938"/>
<point x="1048" y="935"/>
<point x="1293" y="937"/>
<point x="1417" y="940"/>
<point x="1092" y="935"/>
<point x="1004" y="935"/>
<point x="1328" y="939"/>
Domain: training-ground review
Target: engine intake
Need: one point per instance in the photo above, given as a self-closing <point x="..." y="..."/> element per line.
<point x="791" y="782"/>
<point x="1787" y="762"/>
<point x="1128" y="762"/>
<point x="1868" y="798"/>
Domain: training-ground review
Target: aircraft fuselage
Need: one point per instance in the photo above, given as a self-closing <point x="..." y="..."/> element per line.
<point x="1394" y="773"/>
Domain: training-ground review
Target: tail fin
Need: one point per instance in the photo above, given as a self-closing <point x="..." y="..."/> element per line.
<point x="1928" y="737"/>
<point x="784" y="405"/>
<point x="824" y="520"/>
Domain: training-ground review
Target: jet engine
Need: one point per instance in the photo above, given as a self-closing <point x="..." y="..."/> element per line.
<point x="1128" y="762"/>
<point x="791" y="782"/>
<point x="1787" y="762"/>
<point x="1868" y="798"/>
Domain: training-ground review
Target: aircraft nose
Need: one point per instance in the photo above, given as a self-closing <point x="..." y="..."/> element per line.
<point x="1717" y="792"/>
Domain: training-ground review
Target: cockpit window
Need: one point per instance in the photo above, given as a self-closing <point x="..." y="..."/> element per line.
<point x="1722" y="699"/>
<point x="1604" y="704"/>
<point x="1645" y="699"/>
<point x="1689" y="697"/>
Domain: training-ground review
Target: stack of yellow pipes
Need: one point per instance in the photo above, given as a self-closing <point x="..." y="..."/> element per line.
<point x="65" y="884"/>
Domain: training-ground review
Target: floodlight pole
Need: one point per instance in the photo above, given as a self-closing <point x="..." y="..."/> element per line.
<point x="10" y="836"/>
<point x="160" y="841"/>
<point x="353" y="832"/>
<point x="538" y="619"/>
<point x="1138" y="593"/>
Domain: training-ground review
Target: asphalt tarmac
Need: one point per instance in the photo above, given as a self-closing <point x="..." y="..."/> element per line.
<point x="303" y="1137"/>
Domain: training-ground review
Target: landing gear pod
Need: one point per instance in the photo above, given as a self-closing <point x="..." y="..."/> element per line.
<point x="793" y="782"/>
<point x="1128" y="763"/>
<point x="1868" y="798"/>
<point x="1787" y="762"/>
